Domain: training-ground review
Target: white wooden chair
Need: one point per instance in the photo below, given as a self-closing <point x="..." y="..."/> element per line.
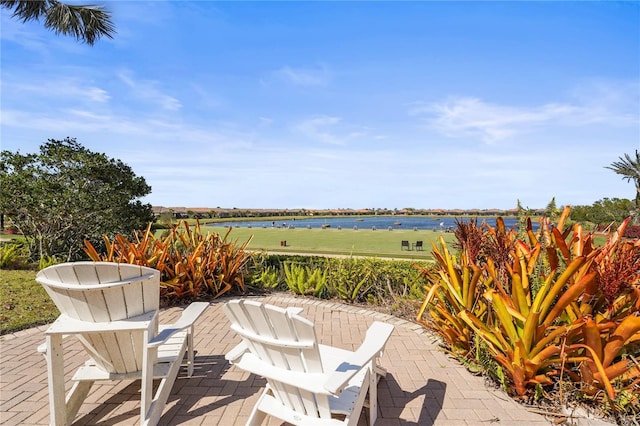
<point x="112" y="309"/>
<point x="307" y="383"/>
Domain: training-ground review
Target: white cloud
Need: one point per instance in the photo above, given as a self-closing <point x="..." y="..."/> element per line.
<point x="97" y="95"/>
<point x="326" y="129"/>
<point x="472" y="117"/>
<point x="206" y="98"/>
<point x="74" y="89"/>
<point x="22" y="34"/>
<point x="123" y="127"/>
<point x="148" y="90"/>
<point x="466" y="116"/>
<point x="612" y="102"/>
<point x="319" y="76"/>
<point x="265" y="121"/>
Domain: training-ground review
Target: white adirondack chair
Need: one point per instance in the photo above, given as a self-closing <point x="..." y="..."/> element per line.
<point x="307" y="383"/>
<point x="112" y="309"/>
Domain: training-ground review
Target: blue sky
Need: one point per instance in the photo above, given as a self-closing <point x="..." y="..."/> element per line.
<point x="341" y="104"/>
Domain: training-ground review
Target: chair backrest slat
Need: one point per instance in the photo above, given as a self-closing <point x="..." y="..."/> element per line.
<point x="66" y="274"/>
<point x="108" y="274"/>
<point x="261" y="326"/>
<point x="81" y="306"/>
<point x="114" y="350"/>
<point x="63" y="300"/>
<point x="85" y="273"/>
<point x="115" y="303"/>
<point x="133" y="299"/>
<point x="284" y="332"/>
<point x="95" y="306"/>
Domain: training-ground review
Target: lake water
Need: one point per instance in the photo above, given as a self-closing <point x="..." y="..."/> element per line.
<point x="364" y="222"/>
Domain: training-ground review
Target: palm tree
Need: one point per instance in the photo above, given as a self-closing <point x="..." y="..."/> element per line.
<point x="630" y="170"/>
<point x="85" y="23"/>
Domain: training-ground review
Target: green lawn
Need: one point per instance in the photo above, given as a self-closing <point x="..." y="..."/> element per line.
<point x="23" y="302"/>
<point x="381" y="243"/>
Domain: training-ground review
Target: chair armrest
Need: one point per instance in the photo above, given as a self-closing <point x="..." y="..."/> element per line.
<point x="236" y="353"/>
<point x="374" y="342"/>
<point x="294" y="310"/>
<point x="187" y="319"/>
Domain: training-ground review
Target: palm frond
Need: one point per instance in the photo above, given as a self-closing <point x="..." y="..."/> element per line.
<point x="85" y="23"/>
<point x="26" y="10"/>
<point x="628" y="167"/>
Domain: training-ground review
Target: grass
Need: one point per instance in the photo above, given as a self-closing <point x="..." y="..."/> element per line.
<point x="381" y="243"/>
<point x="23" y="302"/>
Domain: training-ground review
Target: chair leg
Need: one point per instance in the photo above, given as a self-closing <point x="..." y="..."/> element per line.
<point x="146" y="391"/>
<point x="354" y="416"/>
<point x="154" y="404"/>
<point x="257" y="417"/>
<point x="190" y="351"/>
<point x="380" y="371"/>
<point x="373" y="396"/>
<point x="76" y="397"/>
<point x="55" y="372"/>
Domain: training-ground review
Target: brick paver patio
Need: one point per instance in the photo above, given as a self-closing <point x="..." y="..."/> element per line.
<point x="423" y="387"/>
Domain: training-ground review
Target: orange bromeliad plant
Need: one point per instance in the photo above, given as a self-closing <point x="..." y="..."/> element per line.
<point x="192" y="264"/>
<point x="452" y="288"/>
<point x="545" y="308"/>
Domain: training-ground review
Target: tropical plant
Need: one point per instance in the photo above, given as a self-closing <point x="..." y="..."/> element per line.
<point x="85" y="23"/>
<point x="304" y="280"/>
<point x="629" y="168"/>
<point x="351" y="279"/>
<point x="548" y="307"/>
<point x="192" y="264"/>
<point x="363" y="280"/>
<point x="66" y="194"/>
<point x="13" y="255"/>
<point x="632" y="231"/>
<point x="452" y="288"/>
<point x="269" y="278"/>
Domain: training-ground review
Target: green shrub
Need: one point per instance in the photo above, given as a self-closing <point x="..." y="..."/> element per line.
<point x="46" y="261"/>
<point x="351" y="279"/>
<point x="361" y="280"/>
<point x="14" y="255"/>
<point x="305" y="280"/>
<point x="269" y="278"/>
<point x="373" y="280"/>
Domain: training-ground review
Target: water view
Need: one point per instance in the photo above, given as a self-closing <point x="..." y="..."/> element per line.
<point x="365" y="222"/>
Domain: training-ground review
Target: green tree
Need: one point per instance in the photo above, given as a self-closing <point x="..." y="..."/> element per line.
<point x="552" y="211"/>
<point x="522" y="220"/>
<point x="629" y="168"/>
<point x="85" y="23"/>
<point x="603" y="212"/>
<point x="66" y="194"/>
